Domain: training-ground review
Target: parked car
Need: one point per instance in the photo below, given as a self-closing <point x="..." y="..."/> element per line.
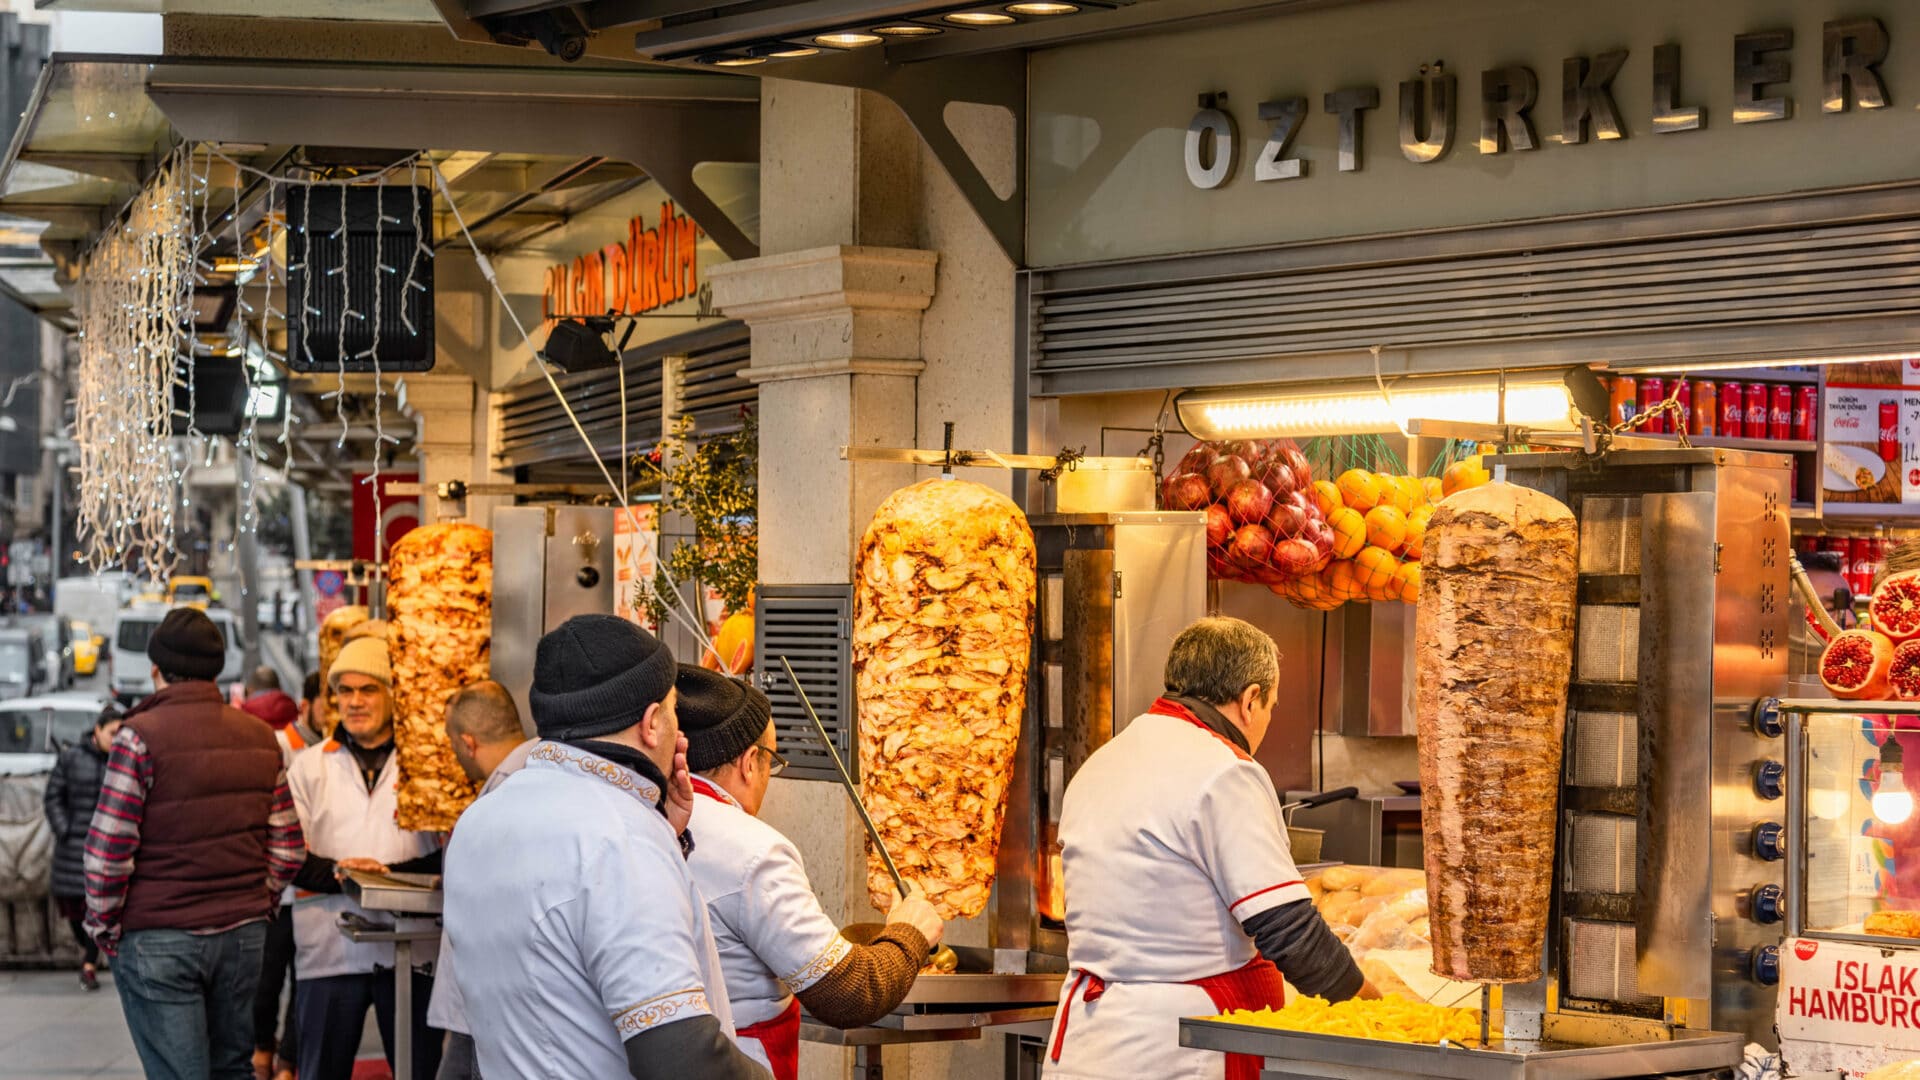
<point x="94" y="600"/>
<point x="56" y="641"/>
<point x="86" y="649"/>
<point x="188" y="591"/>
<point x="34" y="730"/>
<point x="18" y="659"/>
<point x="133" y="672"/>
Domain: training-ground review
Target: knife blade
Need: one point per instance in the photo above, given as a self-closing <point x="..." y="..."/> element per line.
<point x="846" y="779"/>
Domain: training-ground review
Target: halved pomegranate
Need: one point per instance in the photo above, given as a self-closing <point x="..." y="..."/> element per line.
<point x="1854" y="665"/>
<point x="1896" y="606"/>
<point x="1903" y="674"/>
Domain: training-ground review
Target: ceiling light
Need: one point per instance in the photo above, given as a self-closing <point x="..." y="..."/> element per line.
<point x="1541" y="400"/>
<point x="1043" y="7"/>
<point x="906" y="30"/>
<point x="226" y="264"/>
<point x="733" y="61"/>
<point x="787" y="52"/>
<point x="978" y="18"/>
<point x="846" y="39"/>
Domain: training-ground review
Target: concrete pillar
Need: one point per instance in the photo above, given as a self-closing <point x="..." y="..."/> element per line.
<point x="444" y="407"/>
<point x="862" y="235"/>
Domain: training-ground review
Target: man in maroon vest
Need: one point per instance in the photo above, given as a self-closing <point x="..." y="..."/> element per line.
<point x="192" y="841"/>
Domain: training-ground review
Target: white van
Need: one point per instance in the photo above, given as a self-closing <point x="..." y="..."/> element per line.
<point x="133" y="672"/>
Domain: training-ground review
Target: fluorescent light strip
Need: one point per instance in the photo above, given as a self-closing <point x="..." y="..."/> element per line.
<point x="1544" y="407"/>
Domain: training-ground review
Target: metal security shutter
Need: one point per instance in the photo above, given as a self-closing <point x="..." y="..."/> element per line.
<point x="810" y="625"/>
<point x="534" y="428"/>
<point x="1725" y="280"/>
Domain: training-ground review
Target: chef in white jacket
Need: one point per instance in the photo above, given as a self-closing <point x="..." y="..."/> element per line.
<point x="1182" y="896"/>
<point x="584" y="946"/>
<point x="778" y="948"/>
<point x="344" y="791"/>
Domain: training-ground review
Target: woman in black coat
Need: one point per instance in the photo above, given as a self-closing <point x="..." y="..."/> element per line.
<point x="71" y="792"/>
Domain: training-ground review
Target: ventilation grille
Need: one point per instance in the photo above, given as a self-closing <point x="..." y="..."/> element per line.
<point x="1606" y="750"/>
<point x="1605" y="850"/>
<point x="811" y="626"/>
<point x="332" y="308"/>
<point x="1610" y="536"/>
<point x="1600" y="963"/>
<point x="1228" y="312"/>
<point x="1609" y="646"/>
<point x="534" y="428"/>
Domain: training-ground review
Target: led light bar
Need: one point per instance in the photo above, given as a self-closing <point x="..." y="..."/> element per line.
<point x="1542" y="400"/>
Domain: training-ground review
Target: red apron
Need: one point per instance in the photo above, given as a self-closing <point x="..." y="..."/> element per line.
<point x="1256" y="985"/>
<point x="780" y="1038"/>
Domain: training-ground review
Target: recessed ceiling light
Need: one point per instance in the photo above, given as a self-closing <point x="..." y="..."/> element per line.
<point x="733" y="61"/>
<point x="1043" y="7"/>
<point x="846" y="39"/>
<point x="791" y="52"/>
<point x="979" y="18"/>
<point x="906" y="30"/>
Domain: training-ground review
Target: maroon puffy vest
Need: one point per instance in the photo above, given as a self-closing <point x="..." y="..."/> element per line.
<point x="202" y="862"/>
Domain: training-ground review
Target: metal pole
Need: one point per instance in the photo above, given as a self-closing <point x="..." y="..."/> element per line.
<point x="402" y="1009"/>
<point x="246" y="545"/>
<point x="302" y="551"/>
<point x="58" y="554"/>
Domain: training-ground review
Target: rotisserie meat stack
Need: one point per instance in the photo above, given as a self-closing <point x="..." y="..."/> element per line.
<point x="1494" y="651"/>
<point x="440" y="615"/>
<point x="333" y="634"/>
<point x="942" y="624"/>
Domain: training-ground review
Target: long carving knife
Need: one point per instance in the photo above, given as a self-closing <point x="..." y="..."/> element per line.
<point x="846" y="780"/>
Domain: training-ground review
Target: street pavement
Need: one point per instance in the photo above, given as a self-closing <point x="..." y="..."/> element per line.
<point x="51" y="1027"/>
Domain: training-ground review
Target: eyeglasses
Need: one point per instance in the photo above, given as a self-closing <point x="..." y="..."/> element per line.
<point x="776" y="761"/>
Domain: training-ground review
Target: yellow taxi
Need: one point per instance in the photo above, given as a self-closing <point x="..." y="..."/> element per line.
<point x="86" y="649"/>
<point x="193" y="592"/>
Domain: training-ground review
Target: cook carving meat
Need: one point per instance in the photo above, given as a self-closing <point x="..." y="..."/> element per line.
<point x="1494" y="653"/>
<point x="943" y="612"/>
<point x="440" y="613"/>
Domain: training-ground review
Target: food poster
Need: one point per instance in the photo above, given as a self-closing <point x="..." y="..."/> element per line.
<point x="636" y="561"/>
<point x="1846" y="1007"/>
<point x="1870" y="432"/>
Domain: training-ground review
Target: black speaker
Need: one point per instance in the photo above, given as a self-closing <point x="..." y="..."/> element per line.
<point x="217" y="398"/>
<point x="331" y="272"/>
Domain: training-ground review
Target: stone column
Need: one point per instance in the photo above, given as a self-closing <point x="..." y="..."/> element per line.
<point x="444" y="407"/>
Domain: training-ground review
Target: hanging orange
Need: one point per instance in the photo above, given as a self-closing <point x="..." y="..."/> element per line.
<point x="1374" y="566"/>
<point x="1387" y="528"/>
<point x="1327" y="494"/>
<point x="1359" y="489"/>
<point x="1349" y="532"/>
<point x="1434" y="488"/>
<point x="1343" y="580"/>
<point x="1408" y="580"/>
<point x="1462" y="475"/>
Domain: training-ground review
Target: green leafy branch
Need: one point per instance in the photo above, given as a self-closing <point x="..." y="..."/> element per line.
<point x="711" y="482"/>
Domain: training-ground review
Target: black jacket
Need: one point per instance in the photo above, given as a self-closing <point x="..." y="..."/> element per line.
<point x="71" y="792"/>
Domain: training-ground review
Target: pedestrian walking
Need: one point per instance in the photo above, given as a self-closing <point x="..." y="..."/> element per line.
<point x="72" y="791"/>
<point x="192" y="841"/>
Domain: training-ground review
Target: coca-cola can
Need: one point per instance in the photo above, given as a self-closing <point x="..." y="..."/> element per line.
<point x="1682" y="421"/>
<point x="1890" y="431"/>
<point x="1653" y="390"/>
<point x="1780" y="413"/>
<point x="1733" y="411"/>
<point x="1806" y="402"/>
<point x="1759" y="397"/>
<point x="1860" y="565"/>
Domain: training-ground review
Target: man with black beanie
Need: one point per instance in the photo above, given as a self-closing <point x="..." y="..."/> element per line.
<point x="778" y="949"/>
<point x="192" y="841"/>
<point x="591" y="953"/>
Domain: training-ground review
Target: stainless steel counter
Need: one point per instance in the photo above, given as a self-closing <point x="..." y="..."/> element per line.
<point x="1292" y="1054"/>
<point x="411" y="894"/>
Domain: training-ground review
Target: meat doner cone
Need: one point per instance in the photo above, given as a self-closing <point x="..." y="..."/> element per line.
<point x="1495" y="651"/>
<point x="942" y="625"/>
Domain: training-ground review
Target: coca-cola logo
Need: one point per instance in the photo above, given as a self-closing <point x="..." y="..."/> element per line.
<point x="1913" y="477"/>
<point x="1847" y="423"/>
<point x="1805" y="949"/>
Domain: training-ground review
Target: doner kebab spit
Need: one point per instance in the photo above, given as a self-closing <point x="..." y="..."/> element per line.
<point x="943" y="958"/>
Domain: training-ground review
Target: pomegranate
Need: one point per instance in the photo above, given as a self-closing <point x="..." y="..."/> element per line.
<point x="1187" y="491"/>
<point x="1252" y="546"/>
<point x="1295" y="557"/>
<point x="1295" y="461"/>
<point x="1225" y="473"/>
<point x="1198" y="459"/>
<point x="1895" y="608"/>
<point x="1249" y="501"/>
<point x="1854" y="665"/>
<point x="1903" y="674"/>
<point x="1288" y="521"/>
<point x="1219" y="526"/>
<point x="1244" y="449"/>
<point x="1320" y="535"/>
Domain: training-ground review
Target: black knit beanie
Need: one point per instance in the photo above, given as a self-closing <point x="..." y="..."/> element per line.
<point x="721" y="716"/>
<point x="596" y="675"/>
<point x="187" y="645"/>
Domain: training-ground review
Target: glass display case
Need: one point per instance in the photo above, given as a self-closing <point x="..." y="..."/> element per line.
<point x="1851" y="841"/>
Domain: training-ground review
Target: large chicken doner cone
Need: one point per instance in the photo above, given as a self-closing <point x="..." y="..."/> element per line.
<point x="1494" y="641"/>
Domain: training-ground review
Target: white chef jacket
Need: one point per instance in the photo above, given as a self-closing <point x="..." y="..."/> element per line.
<point x="446" y="1009"/>
<point x="773" y="938"/>
<point x="578" y="922"/>
<point x="341" y="819"/>
<point x="1171" y="838"/>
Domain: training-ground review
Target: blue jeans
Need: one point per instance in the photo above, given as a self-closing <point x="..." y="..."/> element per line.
<point x="188" y="999"/>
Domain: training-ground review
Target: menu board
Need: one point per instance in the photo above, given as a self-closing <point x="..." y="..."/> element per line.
<point x="1870" y="434"/>
<point x="636" y="554"/>
<point x="1846" y="1007"/>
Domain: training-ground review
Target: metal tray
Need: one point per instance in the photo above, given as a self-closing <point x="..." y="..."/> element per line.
<point x="417" y="894"/>
<point x="963" y="990"/>
<point x="1305" y="1054"/>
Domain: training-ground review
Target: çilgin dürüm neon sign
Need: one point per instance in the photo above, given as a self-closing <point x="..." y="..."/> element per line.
<point x="650" y="269"/>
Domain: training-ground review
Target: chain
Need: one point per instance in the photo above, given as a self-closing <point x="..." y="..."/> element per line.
<point x="1067" y="460"/>
<point x="1668" y="406"/>
<point x="1157" y="445"/>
